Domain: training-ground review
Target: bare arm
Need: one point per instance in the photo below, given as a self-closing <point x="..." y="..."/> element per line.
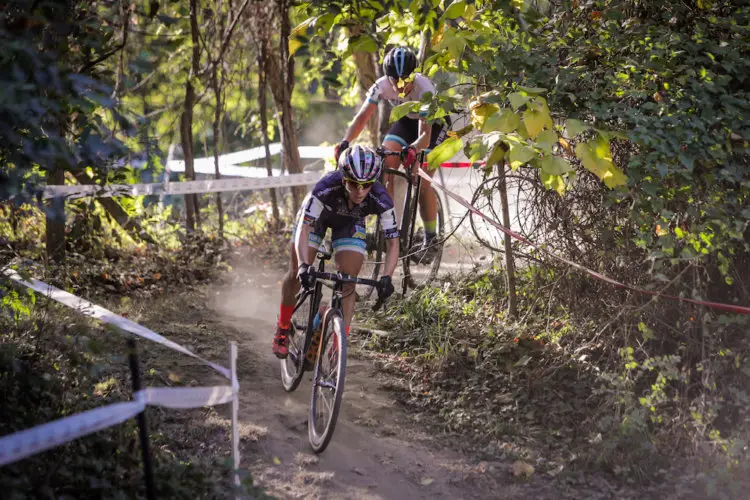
<point x="301" y="244"/>
<point x="360" y="121"/>
<point x="425" y="133"/>
<point x="391" y="256"/>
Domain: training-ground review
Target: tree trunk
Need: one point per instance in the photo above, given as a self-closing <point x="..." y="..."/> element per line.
<point x="55" y="219"/>
<point x="217" y="142"/>
<point x="424" y="47"/>
<point x="280" y="71"/>
<point x="366" y="75"/>
<point x="186" y="139"/>
<point x="509" y="265"/>
<point x="262" y="106"/>
<point x="192" y="213"/>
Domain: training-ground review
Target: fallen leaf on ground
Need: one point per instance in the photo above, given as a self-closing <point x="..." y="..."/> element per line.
<point x="426" y="481"/>
<point x="521" y="468"/>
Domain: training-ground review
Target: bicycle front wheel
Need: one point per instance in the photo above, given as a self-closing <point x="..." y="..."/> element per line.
<point x="328" y="382"/>
<point x="293" y="366"/>
<point x="421" y="264"/>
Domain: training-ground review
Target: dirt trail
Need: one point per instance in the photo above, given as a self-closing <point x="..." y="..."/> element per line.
<point x="376" y="452"/>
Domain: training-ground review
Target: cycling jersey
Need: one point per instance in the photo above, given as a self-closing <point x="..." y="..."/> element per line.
<point x="383" y="89"/>
<point x="327" y="206"/>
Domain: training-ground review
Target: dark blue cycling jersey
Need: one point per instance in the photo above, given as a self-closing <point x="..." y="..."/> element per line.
<point x="327" y="207"/>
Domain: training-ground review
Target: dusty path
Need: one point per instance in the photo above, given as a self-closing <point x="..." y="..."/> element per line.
<point x="376" y="452"/>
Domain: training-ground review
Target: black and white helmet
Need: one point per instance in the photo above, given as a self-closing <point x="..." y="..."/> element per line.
<point x="399" y="62"/>
<point x="360" y="164"/>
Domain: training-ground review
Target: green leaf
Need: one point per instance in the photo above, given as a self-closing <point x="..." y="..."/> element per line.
<point x="445" y="151"/>
<point x="361" y="43"/>
<point x="517" y="100"/>
<point x="325" y="22"/>
<point x="455" y="10"/>
<point x="532" y="90"/>
<point x="546" y="140"/>
<point x="575" y="127"/>
<point x="404" y="109"/>
<point x="554" y="165"/>
<point x="505" y="120"/>
<point x="520" y="155"/>
<point x="301" y="28"/>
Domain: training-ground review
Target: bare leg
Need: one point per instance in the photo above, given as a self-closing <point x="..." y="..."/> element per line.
<point x="427" y="201"/>
<point x="290" y="285"/>
<point x="393" y="162"/>
<point x="349" y="262"/>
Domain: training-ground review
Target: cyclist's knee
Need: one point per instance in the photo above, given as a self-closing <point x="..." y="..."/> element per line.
<point x="349" y="262"/>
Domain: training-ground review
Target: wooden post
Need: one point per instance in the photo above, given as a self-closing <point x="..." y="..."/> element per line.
<point x="141" y="417"/>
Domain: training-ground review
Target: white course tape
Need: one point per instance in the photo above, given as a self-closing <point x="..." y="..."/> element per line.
<point x="43" y="437"/>
<point x="229" y="160"/>
<point x="98" y="312"/>
<point x="177" y="188"/>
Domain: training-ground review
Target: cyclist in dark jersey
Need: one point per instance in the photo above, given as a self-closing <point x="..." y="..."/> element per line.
<point x="412" y="132"/>
<point x="340" y="201"/>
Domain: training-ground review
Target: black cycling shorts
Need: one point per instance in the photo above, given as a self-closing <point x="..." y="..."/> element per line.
<point x="405" y="131"/>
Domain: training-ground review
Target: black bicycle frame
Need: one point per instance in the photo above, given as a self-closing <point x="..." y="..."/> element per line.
<point x="409" y="215"/>
<point x="339" y="280"/>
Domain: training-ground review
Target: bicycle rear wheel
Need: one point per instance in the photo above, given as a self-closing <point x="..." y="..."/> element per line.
<point x="328" y="383"/>
<point x="293" y="366"/>
<point x="374" y="258"/>
<point x="420" y="266"/>
<point x="486" y="200"/>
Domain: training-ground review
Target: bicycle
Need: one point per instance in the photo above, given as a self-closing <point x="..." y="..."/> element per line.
<point x="329" y="368"/>
<point x="417" y="269"/>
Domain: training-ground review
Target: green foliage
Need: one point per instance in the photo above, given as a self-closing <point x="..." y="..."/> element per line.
<point x="53" y="106"/>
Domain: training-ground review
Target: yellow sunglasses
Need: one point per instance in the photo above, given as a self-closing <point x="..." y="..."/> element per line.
<point x="364" y="184"/>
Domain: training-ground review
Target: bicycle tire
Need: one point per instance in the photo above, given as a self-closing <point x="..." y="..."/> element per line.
<point x="320" y="430"/>
<point x="293" y="366"/>
<point x="416" y="274"/>
<point x="373" y="260"/>
<point x="477" y="223"/>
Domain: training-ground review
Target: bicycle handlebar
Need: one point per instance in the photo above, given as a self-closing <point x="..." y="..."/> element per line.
<point x="341" y="278"/>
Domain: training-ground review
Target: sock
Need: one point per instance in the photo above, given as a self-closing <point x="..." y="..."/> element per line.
<point x="430" y="229"/>
<point x="285" y="315"/>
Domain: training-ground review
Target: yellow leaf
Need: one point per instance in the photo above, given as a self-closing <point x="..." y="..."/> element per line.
<point x="426" y="481"/>
<point x="294" y="45"/>
<point x="496" y="156"/>
<point x="536" y="118"/>
<point x="521" y="468"/>
<point x="173" y="377"/>
<point x="276" y="460"/>
<point x="597" y="158"/>
<point x="555" y="182"/>
<point x="481" y="112"/>
<point x="565" y="144"/>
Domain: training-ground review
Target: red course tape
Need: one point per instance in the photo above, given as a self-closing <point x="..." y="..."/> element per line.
<point x="714" y="305"/>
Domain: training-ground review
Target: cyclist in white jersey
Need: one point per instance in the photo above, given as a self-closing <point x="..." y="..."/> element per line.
<point x="412" y="132"/>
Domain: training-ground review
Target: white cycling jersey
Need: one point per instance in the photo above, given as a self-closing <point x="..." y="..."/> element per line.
<point x="383" y="89"/>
